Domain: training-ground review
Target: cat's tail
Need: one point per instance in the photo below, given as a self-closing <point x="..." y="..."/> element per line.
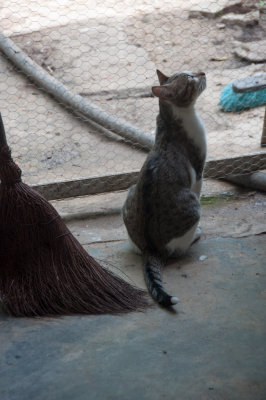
<point x="152" y="265"/>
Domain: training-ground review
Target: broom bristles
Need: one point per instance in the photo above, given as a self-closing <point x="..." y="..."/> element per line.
<point x="43" y="269"/>
<point x="233" y="101"/>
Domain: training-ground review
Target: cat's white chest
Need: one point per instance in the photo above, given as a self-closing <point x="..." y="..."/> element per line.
<point x="195" y="184"/>
<point x="193" y="126"/>
<point x="195" y="130"/>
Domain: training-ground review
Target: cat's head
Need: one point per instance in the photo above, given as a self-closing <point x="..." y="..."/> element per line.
<point x="181" y="89"/>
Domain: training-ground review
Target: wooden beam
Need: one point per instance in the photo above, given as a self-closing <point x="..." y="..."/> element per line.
<point x="87" y="186"/>
<point x="245" y="164"/>
<point x="218" y="169"/>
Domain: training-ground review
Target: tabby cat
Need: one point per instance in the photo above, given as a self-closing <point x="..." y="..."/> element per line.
<point x="162" y="210"/>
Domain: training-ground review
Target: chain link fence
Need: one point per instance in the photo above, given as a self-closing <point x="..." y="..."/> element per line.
<point x="76" y="77"/>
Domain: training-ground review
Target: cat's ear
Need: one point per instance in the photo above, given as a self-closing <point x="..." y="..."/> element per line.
<point x="162" y="78"/>
<point x="163" y="92"/>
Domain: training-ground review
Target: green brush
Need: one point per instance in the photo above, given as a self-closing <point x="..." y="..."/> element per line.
<point x="244" y="93"/>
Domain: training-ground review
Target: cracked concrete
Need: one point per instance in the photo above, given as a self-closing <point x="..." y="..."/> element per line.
<point x="110" y="50"/>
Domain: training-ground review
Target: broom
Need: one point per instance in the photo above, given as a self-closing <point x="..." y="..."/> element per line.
<point x="44" y="270"/>
<point x="244" y="93"/>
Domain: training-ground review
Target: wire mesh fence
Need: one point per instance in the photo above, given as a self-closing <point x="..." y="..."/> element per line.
<point x="80" y="111"/>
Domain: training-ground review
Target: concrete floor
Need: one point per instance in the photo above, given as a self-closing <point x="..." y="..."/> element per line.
<point x="212" y="347"/>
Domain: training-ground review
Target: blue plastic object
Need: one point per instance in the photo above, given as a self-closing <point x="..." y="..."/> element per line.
<point x="234" y="101"/>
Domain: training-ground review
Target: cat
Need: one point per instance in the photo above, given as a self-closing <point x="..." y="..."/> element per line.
<point x="162" y="210"/>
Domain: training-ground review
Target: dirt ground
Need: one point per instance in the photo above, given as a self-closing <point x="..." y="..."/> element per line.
<point x="108" y="53"/>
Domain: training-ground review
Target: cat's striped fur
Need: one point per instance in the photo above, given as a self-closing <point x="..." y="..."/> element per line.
<point x="162" y="211"/>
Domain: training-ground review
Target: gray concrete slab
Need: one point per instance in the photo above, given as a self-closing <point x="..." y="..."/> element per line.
<point x="212" y="348"/>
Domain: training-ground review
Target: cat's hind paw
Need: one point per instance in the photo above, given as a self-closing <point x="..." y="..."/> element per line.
<point x="197" y="235"/>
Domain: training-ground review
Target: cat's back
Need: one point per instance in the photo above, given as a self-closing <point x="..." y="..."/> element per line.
<point x="164" y="166"/>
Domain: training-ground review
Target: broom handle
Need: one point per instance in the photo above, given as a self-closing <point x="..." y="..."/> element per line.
<point x="3" y="141"/>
